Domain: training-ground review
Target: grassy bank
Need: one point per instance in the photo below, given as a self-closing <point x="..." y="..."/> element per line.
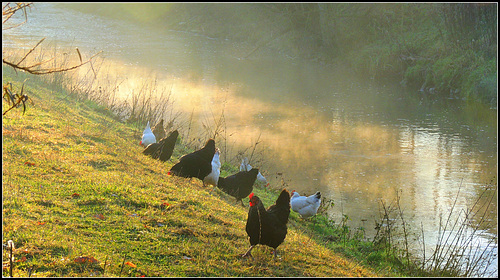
<point x="80" y="199"/>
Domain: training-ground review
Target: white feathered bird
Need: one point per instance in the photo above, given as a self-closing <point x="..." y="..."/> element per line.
<point x="147" y="137"/>
<point x="306" y="206"/>
<point x="213" y="177"/>
<point x="245" y="166"/>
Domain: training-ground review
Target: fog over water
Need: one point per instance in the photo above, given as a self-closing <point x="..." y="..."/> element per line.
<point x="319" y="127"/>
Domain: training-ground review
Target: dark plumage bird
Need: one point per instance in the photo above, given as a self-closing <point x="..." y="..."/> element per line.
<point x="239" y="185"/>
<point x="267" y="227"/>
<point x="196" y="164"/>
<point x="164" y="148"/>
<point x="159" y="130"/>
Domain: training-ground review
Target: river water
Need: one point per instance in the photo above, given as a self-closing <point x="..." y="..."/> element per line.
<point x="319" y="127"/>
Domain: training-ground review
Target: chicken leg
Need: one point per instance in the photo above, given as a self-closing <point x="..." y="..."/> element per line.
<point x="275" y="255"/>
<point x="241" y="202"/>
<point x="248" y="253"/>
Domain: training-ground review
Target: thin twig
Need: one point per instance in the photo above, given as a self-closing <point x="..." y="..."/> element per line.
<point x="123" y="263"/>
<point x="104" y="269"/>
<point x="79" y="55"/>
<point x="30" y="51"/>
<point x="10" y="245"/>
<point x="30" y="270"/>
<point x="404" y="228"/>
<point x="45" y="71"/>
<point x="254" y="147"/>
<point x="8" y="12"/>
<point x="423" y="244"/>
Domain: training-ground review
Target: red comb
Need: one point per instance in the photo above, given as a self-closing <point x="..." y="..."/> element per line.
<point x="251" y="202"/>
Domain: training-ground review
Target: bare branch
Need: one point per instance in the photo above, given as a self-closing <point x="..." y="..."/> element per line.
<point x="32" y="49"/>
<point x="8" y="12"/>
<point x="44" y="71"/>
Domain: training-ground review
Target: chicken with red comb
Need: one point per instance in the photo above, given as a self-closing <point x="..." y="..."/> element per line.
<point x="267" y="227"/>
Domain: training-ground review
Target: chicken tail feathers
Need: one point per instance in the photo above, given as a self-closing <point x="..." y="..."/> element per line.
<point x="318" y="195"/>
<point x="283" y="199"/>
<point x="281" y="209"/>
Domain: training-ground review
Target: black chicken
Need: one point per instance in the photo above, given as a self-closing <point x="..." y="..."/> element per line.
<point x="267" y="227"/>
<point x="239" y="185"/>
<point x="196" y="164"/>
<point x="164" y="148"/>
<point x="159" y="130"/>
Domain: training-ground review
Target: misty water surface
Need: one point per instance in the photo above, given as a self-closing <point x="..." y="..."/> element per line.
<point x="319" y="127"/>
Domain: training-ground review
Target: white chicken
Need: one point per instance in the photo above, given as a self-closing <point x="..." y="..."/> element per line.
<point x="306" y="206"/>
<point x="147" y="137"/>
<point x="245" y="166"/>
<point x="213" y="177"/>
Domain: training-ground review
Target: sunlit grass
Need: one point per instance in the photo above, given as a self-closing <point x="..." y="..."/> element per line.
<point x="80" y="199"/>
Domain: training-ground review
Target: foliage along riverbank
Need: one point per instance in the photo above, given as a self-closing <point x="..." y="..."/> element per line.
<point x="439" y="49"/>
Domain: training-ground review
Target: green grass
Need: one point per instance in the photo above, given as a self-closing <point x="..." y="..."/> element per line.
<point x="80" y="199"/>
